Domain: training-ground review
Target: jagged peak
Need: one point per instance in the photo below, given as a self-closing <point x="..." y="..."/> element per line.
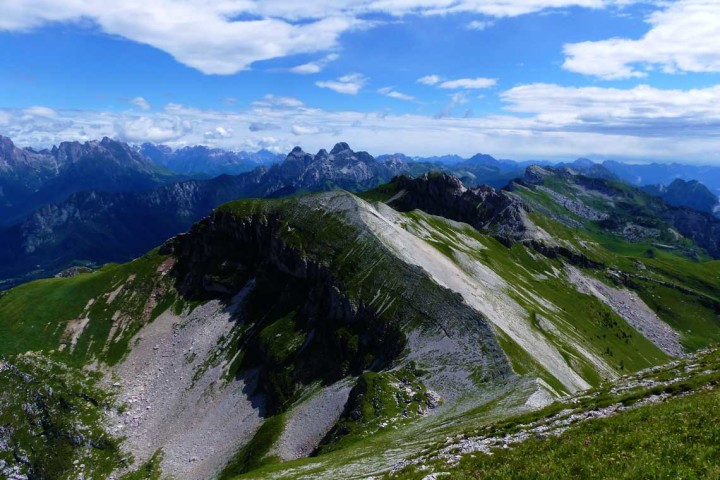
<point x="6" y="145"/>
<point x="340" y="147"/>
<point x="438" y="180"/>
<point x="535" y="173"/>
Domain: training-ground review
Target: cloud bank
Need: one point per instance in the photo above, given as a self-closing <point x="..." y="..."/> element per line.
<point x="540" y="121"/>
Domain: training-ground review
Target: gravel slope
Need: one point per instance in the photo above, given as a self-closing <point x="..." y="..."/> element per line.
<point x="197" y="419"/>
<point x="630" y="306"/>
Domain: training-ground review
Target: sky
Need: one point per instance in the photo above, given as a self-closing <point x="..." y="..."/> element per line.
<point x="523" y="79"/>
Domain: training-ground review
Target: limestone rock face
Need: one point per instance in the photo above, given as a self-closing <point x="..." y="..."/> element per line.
<point x="485" y="208"/>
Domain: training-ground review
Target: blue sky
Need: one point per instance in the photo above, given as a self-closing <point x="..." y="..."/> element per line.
<point x="515" y="78"/>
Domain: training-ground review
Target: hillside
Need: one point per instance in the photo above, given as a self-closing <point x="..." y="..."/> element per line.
<point x="341" y="326"/>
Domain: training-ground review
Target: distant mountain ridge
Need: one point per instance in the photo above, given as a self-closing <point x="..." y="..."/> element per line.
<point x="100" y="227"/>
<point x="30" y="178"/>
<point x="111" y="202"/>
<point x="202" y="160"/>
<point x="692" y="194"/>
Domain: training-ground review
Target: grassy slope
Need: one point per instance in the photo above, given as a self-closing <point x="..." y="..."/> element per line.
<point x="677" y="438"/>
<point x="33" y="317"/>
<point x="51" y="422"/>
<point x="581" y="318"/>
<point x="684" y="292"/>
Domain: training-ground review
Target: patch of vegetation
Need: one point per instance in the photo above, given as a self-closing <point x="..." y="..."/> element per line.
<point x="677" y="438"/>
<point x="254" y="454"/>
<point x="150" y="470"/>
<point x="36" y="316"/>
<point x="51" y="418"/>
<point x="379" y="401"/>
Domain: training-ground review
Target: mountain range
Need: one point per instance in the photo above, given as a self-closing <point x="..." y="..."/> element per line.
<point x="30" y="178"/>
<point x="88" y="204"/>
<point x="204" y="161"/>
<point x="399" y="331"/>
<point x="94" y="227"/>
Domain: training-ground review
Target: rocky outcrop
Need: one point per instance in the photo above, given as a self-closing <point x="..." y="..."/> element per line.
<point x="486" y="209"/>
<point x="629" y="212"/>
<point x="341" y="167"/>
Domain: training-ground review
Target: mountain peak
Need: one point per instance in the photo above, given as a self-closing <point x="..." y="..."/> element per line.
<point x="583" y="163"/>
<point x="6" y="146"/>
<point x="340" y="147"/>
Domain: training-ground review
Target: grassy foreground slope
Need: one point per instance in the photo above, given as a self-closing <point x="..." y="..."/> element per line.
<point x="657" y="424"/>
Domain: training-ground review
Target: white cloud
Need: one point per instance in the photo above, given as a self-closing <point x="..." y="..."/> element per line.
<point x="684" y="37"/>
<point x="350" y="84"/>
<point x="43" y="112"/>
<point x="218" y="133"/>
<point x="392" y="93"/>
<point x="316" y="66"/>
<point x="429" y="80"/>
<point x="540" y="121"/>
<point x="152" y="129"/>
<point x="273" y="101"/>
<point x="226" y="36"/>
<point x="304" y="130"/>
<point x="141" y="103"/>
<point x="468" y="83"/>
<point x="640" y="111"/>
<point x="456" y="99"/>
<point x="479" y="25"/>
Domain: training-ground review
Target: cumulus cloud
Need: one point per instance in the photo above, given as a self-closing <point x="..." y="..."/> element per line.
<point x="456" y="99"/>
<point x="430" y="80"/>
<point x="152" y="129"/>
<point x="140" y="103"/>
<point x="392" y="93"/>
<point x="305" y="130"/>
<point x="218" y="133"/>
<point x="350" y="84"/>
<point x="641" y="111"/>
<point x="316" y="66"/>
<point x="684" y="37"/>
<point x="468" y="83"/>
<point x="227" y="36"/>
<point x="42" y="112"/>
